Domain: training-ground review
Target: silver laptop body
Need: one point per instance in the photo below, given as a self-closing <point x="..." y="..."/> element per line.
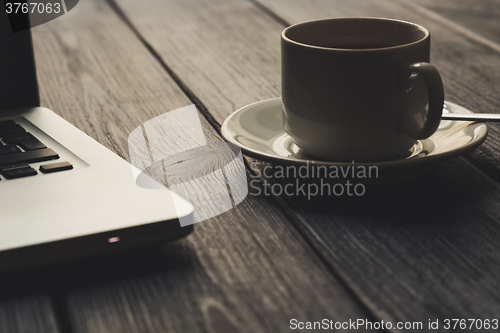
<point x="92" y="208"/>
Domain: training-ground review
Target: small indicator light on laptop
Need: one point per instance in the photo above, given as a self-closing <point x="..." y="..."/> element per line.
<point x="113" y="239"/>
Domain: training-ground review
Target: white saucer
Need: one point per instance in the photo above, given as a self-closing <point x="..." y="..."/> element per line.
<point x="258" y="130"/>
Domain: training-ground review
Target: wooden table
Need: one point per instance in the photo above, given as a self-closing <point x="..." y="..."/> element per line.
<point x="424" y="250"/>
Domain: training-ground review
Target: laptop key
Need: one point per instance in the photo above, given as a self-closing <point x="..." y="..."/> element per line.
<point x="31" y="156"/>
<point x="9" y="149"/>
<point x="55" y="167"/>
<point x="6" y="123"/>
<point x="19" y="173"/>
<point x="14" y="166"/>
<point x="25" y="140"/>
<point x="15" y="137"/>
<point x="4" y="130"/>
<point x="31" y="144"/>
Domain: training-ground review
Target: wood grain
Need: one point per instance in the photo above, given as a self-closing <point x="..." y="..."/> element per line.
<point x="247" y="269"/>
<point x="422" y="250"/>
<point x="480" y="16"/>
<point x="26" y="315"/>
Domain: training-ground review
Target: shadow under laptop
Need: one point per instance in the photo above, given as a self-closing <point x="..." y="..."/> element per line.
<point x="98" y="270"/>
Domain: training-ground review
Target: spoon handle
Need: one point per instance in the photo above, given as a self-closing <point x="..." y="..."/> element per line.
<point x="471" y="116"/>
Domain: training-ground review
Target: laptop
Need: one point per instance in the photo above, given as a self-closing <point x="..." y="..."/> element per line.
<point x="62" y="194"/>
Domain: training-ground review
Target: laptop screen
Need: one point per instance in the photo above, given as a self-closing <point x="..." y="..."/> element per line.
<point x="18" y="83"/>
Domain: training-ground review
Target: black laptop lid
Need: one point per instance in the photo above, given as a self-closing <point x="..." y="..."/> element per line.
<point x="18" y="83"/>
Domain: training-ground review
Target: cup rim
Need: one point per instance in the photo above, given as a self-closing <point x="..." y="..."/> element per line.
<point x="286" y="39"/>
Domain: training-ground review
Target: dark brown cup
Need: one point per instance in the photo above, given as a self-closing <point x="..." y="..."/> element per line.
<point x="357" y="88"/>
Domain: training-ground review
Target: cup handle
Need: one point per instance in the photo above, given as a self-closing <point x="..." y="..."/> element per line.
<point x="435" y="93"/>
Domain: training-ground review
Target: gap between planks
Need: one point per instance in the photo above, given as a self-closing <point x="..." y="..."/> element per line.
<point x="305" y="226"/>
<point x="320" y="251"/>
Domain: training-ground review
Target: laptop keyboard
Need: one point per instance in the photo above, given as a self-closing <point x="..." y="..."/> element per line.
<point x="19" y="148"/>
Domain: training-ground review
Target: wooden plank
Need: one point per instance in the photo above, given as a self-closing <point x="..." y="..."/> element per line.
<point x="26" y="315"/>
<point x="418" y="251"/>
<point x="480" y="16"/>
<point x="245" y="270"/>
<point x="25" y="304"/>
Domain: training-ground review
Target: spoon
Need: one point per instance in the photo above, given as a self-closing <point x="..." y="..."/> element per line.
<point x="471" y="116"/>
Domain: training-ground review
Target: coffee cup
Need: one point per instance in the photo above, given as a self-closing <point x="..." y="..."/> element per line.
<point x="359" y="89"/>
